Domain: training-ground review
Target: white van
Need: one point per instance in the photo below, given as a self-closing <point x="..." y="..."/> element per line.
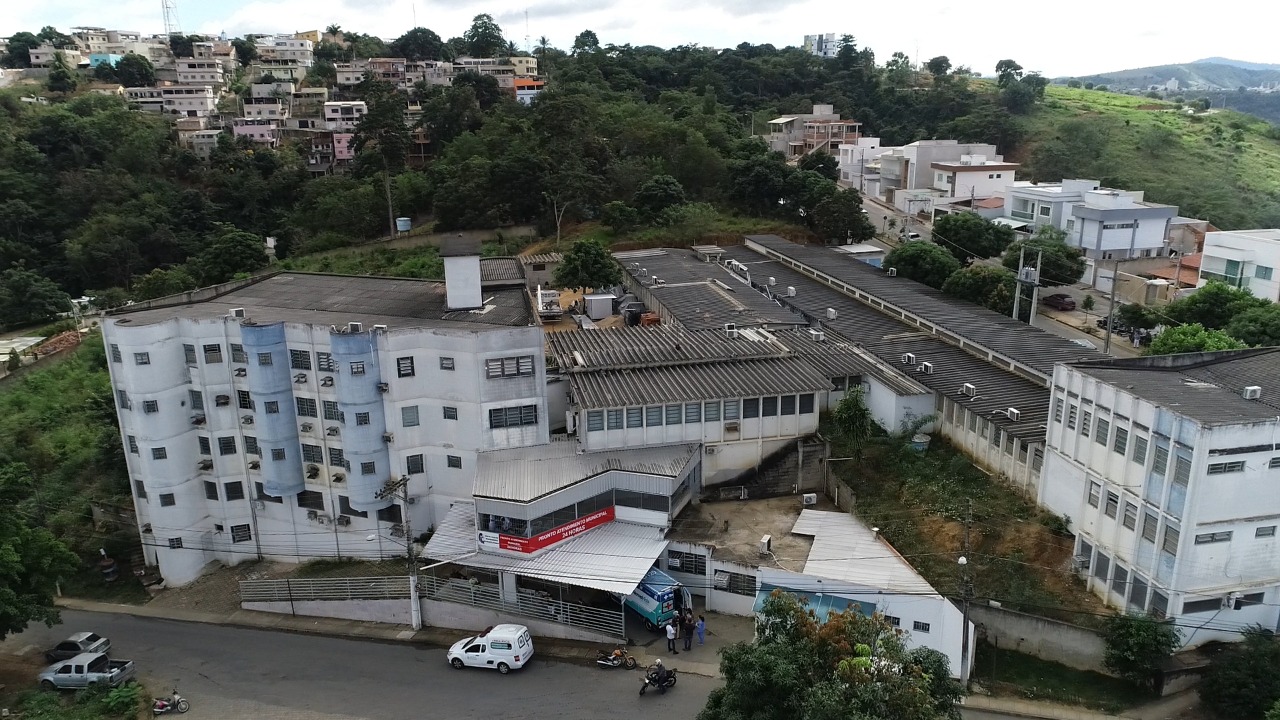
<point x="503" y="647"/>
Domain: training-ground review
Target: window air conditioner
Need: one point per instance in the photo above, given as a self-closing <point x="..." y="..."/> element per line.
<point x="300" y="378"/>
<point x="388" y="438"/>
<point x="246" y="419"/>
<point x="254" y="464"/>
<point x="926" y="368"/>
<point x="313" y="514"/>
<point x="731" y="426"/>
<point x="313" y="472"/>
<point x="1013" y="414"/>
<point x="908" y="359"/>
<point x="308" y="427"/>
<point x="969" y="389"/>
<point x="326" y="381"/>
<point x="241" y="372"/>
<point x="343" y="520"/>
<point x="893" y="272"/>
<point x="383" y="387"/>
<point x="397" y="530"/>
<point x="331" y="430"/>
<point x="205" y="464"/>
<point x="339" y="477"/>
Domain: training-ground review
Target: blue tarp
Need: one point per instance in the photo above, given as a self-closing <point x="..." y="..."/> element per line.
<point x="823" y="604"/>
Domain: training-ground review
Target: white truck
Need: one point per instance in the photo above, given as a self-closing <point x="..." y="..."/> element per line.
<point x="87" y="670"/>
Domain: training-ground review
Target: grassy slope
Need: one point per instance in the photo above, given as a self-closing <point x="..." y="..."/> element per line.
<point x="1232" y="185"/>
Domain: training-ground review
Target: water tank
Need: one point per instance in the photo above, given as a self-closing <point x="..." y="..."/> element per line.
<point x="404" y="224"/>
<point x="920" y="442"/>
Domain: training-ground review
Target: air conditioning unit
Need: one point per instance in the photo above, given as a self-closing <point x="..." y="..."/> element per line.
<point x="246" y="419"/>
<point x="379" y="328"/>
<point x="331" y="430"/>
<point x="259" y="505"/>
<point x="731" y="426"/>
<point x="383" y="387"/>
<point x="1252" y="392"/>
<point x="397" y="530"/>
<point x="1013" y="414"/>
<point x="241" y="372"/>
<point x="237" y="312"/>
<point x="355" y="327"/>
<point x="773" y="281"/>
<point x="809" y="498"/>
<point x="926" y="368"/>
<point x="308" y="427"/>
<point x="313" y="514"/>
<point x="831" y="313"/>
<point x="313" y="472"/>
<point x="197" y="419"/>
<point x="893" y="272"/>
<point x="908" y="358"/>
<point x="222" y="400"/>
<point x="817" y="335"/>
<point x="388" y="437"/>
<point x="1080" y="563"/>
<point x="326" y="381"/>
<point x="343" y="520"/>
<point x="791" y="291"/>
<point x="710" y="449"/>
<point x="205" y="464"/>
<point x="254" y="464"/>
<point x="300" y="378"/>
<point x="323" y="519"/>
<point x="969" y="389"/>
<point x="730" y="330"/>
<point x="766" y="544"/>
<point x="338" y="477"/>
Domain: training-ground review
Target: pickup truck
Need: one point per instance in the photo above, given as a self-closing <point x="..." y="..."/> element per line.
<point x="87" y="670"/>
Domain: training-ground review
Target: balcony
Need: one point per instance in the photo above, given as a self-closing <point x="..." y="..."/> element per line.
<point x="1022" y="215"/>
<point x="1235" y="281"/>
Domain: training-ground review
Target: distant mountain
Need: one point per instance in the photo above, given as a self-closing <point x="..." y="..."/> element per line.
<point x="1202" y="76"/>
<point x="1238" y="63"/>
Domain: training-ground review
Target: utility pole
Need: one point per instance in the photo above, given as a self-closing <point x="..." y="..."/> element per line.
<point x="967" y="594"/>
<point x="1111" y="307"/>
<point x="1035" y="289"/>
<point x="391" y="215"/>
<point x="1017" y="296"/>
<point x="398" y="488"/>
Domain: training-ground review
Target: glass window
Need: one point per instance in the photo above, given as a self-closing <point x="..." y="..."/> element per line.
<point x="674" y="414"/>
<point x="1262" y="272"/>
<point x="788" y="405"/>
<point x="336" y="459"/>
<point x="312" y="453"/>
<point x="770" y="407"/>
<point x="751" y="408"/>
<point x="1170" y="544"/>
<point x="614" y="418"/>
<point x="368" y="468"/>
<point x="450" y="413"/>
<point x="693" y="412"/>
<point x="277" y="454"/>
<point x="1130" y="515"/>
<point x="509" y="367"/>
<point x="311" y="500"/>
<point x="159" y="453"/>
<point x="196" y="398"/>
<point x="357" y="368"/>
<point x="331" y="411"/>
<point x="167" y="500"/>
<point x="653" y="416"/>
<point x="1113" y="505"/>
<point x="213" y="353"/>
<point x="1095" y="493"/>
<point x="595" y="420"/>
<point x="306" y="407"/>
<point x="414" y="464"/>
<point x="203" y="442"/>
<point x="299" y="359"/>
<point x="1226" y="467"/>
<point x="1265" y="531"/>
<point x="264" y="358"/>
<point x="446" y="363"/>
<point x="515" y="416"/>
<point x="806" y="404"/>
<point x="1160" y="464"/>
<point x="635" y="417"/>
<point x="711" y="411"/>
<point x="251" y="445"/>
<point x="1139" y="450"/>
<point x="133" y="444"/>
<point x="189" y="353"/>
<point x="233" y="490"/>
<point x="1102" y="433"/>
<point x="237" y="353"/>
<point x="404" y="367"/>
<point x="362" y="418"/>
<point x="453" y="461"/>
<point x="920" y="627"/>
<point x="344" y="508"/>
<point x="115" y="353"/>
<point x="244" y="399"/>
<point x="271" y="407"/>
<point x="150" y="406"/>
<point x="1213" y="537"/>
<point x="731" y="409"/>
<point x="122" y="399"/>
<point x="1121" y="442"/>
<point x="210" y="490"/>
<point x="325" y="363"/>
<point x="141" y="358"/>
<point x="1150" y="524"/>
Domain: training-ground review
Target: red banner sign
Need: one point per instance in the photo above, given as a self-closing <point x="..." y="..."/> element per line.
<point x="555" y="535"/>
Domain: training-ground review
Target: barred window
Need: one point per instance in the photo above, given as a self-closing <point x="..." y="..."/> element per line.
<point x="1121" y="443"/>
<point x="1170" y="544"/>
<point x="264" y="358"/>
<point x="509" y="367"/>
<point x="357" y="368"/>
<point x="446" y="363"/>
<point x="133" y="444"/>
<point x="736" y="583"/>
<point x="325" y="363"/>
<point x="362" y="418"/>
<point x="1130" y="515"/>
<point x="1095" y="494"/>
<point x="730" y="409"/>
<point x="241" y="533"/>
<point x="167" y="500"/>
<point x="368" y="468"/>
<point x="272" y="407"/>
<point x="150" y="406"/>
<point x="1102" y="433"/>
<point x="404" y="367"/>
<point x="196" y="398"/>
<point x="213" y="353"/>
<point x="515" y="416"/>
<point x="189" y="354"/>
<point x="140" y="490"/>
<point x="331" y="411"/>
<point x="299" y="359"/>
<point x="244" y="399"/>
<point x="453" y="461"/>
<point x="205" y="447"/>
<point x="414" y="465"/>
<point x="920" y="627"/>
<point x="806" y="404"/>
<point x="1113" y="505"/>
<point x="312" y="453"/>
<point x="122" y="399"/>
<point x="277" y="454"/>
<point x="233" y="490"/>
<point x="336" y="459"/>
<point x="175" y="543"/>
<point x="770" y="407"/>
<point x="1139" y="449"/>
<point x="1150" y="524"/>
<point x="595" y="420"/>
<point x="159" y="453"/>
<point x="251" y="445"/>
<point x="450" y="413"/>
<point x="693" y="412"/>
<point x="306" y="407"/>
<point x="142" y="358"/>
<point x="311" y="500"/>
<point x="653" y="416"/>
<point x="684" y="562"/>
<point x="237" y="354"/>
<point x="409" y="416"/>
<point x="115" y="353"/>
<point x="210" y="490"/>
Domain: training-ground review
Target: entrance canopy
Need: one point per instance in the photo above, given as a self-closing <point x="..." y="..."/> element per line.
<point x="613" y="557"/>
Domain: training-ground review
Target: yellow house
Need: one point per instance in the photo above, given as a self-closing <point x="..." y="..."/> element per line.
<point x="525" y="66"/>
<point x="312" y="35"/>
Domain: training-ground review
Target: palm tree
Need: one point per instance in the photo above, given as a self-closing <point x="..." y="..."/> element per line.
<point x="333" y="30"/>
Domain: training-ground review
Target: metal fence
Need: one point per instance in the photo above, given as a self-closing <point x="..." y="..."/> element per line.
<point x="528" y="603"/>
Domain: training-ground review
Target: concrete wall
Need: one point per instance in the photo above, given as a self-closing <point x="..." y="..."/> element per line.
<point x="1047" y="639"/>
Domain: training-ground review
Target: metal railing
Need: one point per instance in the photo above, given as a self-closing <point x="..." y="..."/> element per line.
<point x="361" y="588"/>
<point x="1235" y="281"/>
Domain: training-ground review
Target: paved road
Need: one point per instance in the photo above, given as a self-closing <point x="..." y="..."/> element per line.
<point x="234" y="673"/>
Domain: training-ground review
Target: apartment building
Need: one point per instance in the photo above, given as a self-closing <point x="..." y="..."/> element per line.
<point x="201" y="143"/>
<point x="344" y="115"/>
<point x="286" y="48"/>
<point x="190" y="101"/>
<point x="42" y="55"/>
<point x="200" y="71"/>
<point x="259" y="130"/>
<point x="147" y="99"/>
<point x="352" y="73"/>
<point x="972" y="176"/>
<point x="798" y="135"/>
<point x="1244" y="259"/>
<point x="1166" y="468"/>
<point x="910" y="168"/>
<point x="276" y="108"/>
<point x="826" y="45"/>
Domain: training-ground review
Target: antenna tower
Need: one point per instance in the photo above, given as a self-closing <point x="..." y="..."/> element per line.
<point x="171" y="26"/>
<point x="528" y="47"/>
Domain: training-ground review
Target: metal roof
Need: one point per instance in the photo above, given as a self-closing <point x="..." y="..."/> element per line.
<point x="613" y="557"/>
<point x="459" y="246"/>
<point x="624" y="347"/>
<point x="541" y="258"/>
<point x="706" y="306"/>
<point x="845" y="549"/>
<point x="1206" y="387"/>
<point x="690" y="383"/>
<point x="528" y="473"/>
<point x="497" y="269"/>
<point x="973" y="325"/>
<point x="835" y="357"/>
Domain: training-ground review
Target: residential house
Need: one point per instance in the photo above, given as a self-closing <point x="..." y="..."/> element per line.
<point x="860" y="164"/>
<point x="259" y="130"/>
<point x="910" y="167"/>
<point x="279" y="70"/>
<point x="821" y="130"/>
<point x="524" y="65"/>
<point x="1165" y="467"/>
<point x="352" y="73"/>
<point x="42" y="55"/>
<point x="190" y="101"/>
<point x="104" y="58"/>
<point x="108" y="89"/>
<point x="344" y="115"/>
<point x="320" y="153"/>
<point x="391" y="70"/>
<point x="527" y="89"/>
<point x="825" y="46"/>
<point x="199" y="71"/>
<point x="202" y="143"/>
<point x="286" y="48"/>
<point x="973" y="176"/>
<point x="265" y="107"/>
<point x="147" y="99"/>
<point x="1244" y="259"/>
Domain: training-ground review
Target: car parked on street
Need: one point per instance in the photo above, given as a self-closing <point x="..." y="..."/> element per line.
<point x="1060" y="301"/>
<point x="1117" y="326"/>
<point x="503" y="648"/>
<point x="87" y="670"/>
<point x="81" y="642"/>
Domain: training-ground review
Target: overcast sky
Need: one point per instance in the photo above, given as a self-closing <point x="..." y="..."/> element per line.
<point x="1074" y="38"/>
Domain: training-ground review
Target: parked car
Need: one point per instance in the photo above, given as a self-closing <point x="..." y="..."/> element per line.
<point x="910" y="236"/>
<point x="82" y="642"/>
<point x="1060" y="301"/>
<point x="1117" y="326"/>
<point x="502" y="647"/>
<point x="87" y="670"/>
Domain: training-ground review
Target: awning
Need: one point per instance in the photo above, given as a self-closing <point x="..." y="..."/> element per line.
<point x="613" y="557"/>
<point x="1015" y="224"/>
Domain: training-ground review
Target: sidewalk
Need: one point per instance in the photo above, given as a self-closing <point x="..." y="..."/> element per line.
<point x="1168" y="708"/>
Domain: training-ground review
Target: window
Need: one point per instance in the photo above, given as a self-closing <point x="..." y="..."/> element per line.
<point x="693" y="412"/>
<point x="306" y="407"/>
<point x="515" y="416"/>
<point x="1262" y="272"/>
<point x="1214" y="537"/>
<point x="324" y="362"/>
<point x="674" y="414"/>
<point x="189" y="353"/>
<point x="210" y="490"/>
<point x="653" y="416"/>
<point x="453" y="461"/>
<point x="1226" y="467"/>
<point x="392" y="514"/>
<point x="1265" y="531"/>
<point x="336" y="459"/>
<point x="1044" y="211"/>
<point x="770" y="408"/>
<point x="213" y="353"/>
<point x="446" y="363"/>
<point x="509" y="367"/>
<point x="614" y="418"/>
<point x="635" y="417"/>
<point x="133" y="444"/>
<point x="159" y="453"/>
<point x="277" y="454"/>
<point x="251" y="446"/>
<point x="1119" y="580"/>
<point x="1095" y="493"/>
<point x="1085" y="420"/>
<point x="115" y="353"/>
<point x="1102" y="432"/>
<point x="139" y="489"/>
<point x="1160" y="464"/>
<point x="1113" y="505"/>
<point x="167" y="500"/>
<point x="141" y="358"/>
<point x="331" y="411"/>
<point x="1149" y="525"/>
<point x="450" y="413"/>
<point x="1037" y="459"/>
<point x="271" y="407"/>
<point x="227" y="445"/>
<point x="244" y="399"/>
<point x="687" y="562"/>
<point x="1130" y="515"/>
<point x="150" y="406"/>
<point x="263" y="496"/>
<point x="368" y="468"/>
<point x="264" y="358"/>
<point x="751" y="408"/>
<point x="237" y="353"/>
<point x="595" y="420"/>
<point x="893" y="620"/>
<point x="357" y="368"/>
<point x="731" y="409"/>
<point x="175" y="543"/>
<point x="312" y="453"/>
<point x="203" y="442"/>
<point x="122" y="399"/>
<point x="1170" y="544"/>
<point x="1139" y="449"/>
<point x="404" y="367"/>
<point x="806" y="404"/>
<point x="1121" y="442"/>
<point x="233" y="490"/>
<point x="311" y="500"/>
<point x="1071" y="418"/>
<point x="241" y="533"/>
<point x="299" y="359"/>
<point x="344" y="508"/>
<point x="1057" y="410"/>
<point x="918" y="626"/>
<point x="788" y="405"/>
<point x="736" y="583"/>
<point x="362" y="418"/>
<point x="414" y="465"/>
<point x="197" y="399"/>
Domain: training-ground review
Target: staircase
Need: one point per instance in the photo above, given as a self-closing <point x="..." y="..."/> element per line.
<point x="796" y="468"/>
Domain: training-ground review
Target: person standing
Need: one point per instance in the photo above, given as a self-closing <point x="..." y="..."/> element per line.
<point x="671" y="637"/>
<point x="701" y="629"/>
<point x="687" y="629"/>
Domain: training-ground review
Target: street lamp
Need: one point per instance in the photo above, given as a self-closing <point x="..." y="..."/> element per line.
<point x="967" y="591"/>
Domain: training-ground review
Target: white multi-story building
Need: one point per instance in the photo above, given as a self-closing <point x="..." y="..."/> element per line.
<point x="972" y="176"/>
<point x="352" y="73"/>
<point x="860" y="164"/>
<point x="910" y="167"/>
<point x="275" y="108"/>
<point x="1245" y="259"/>
<point x="190" y="101"/>
<point x="1166" y="467"/>
<point x="826" y="45"/>
<point x="42" y="55"/>
<point x="344" y="115"/>
<point x="149" y="99"/>
<point x="200" y="71"/>
<point x="803" y="133"/>
<point x="285" y="47"/>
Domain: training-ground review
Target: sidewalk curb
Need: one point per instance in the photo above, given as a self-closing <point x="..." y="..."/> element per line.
<point x="1032" y="709"/>
<point x="564" y="650"/>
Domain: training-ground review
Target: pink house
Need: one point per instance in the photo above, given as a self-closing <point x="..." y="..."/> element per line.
<point x="342" y="147"/>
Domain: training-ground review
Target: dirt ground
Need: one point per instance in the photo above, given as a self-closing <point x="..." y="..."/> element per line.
<point x="218" y="591"/>
<point x="17" y="675"/>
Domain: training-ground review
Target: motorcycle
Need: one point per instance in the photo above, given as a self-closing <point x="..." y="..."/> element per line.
<point x="651" y="680"/>
<point x="618" y="658"/>
<point x="173" y="703"/>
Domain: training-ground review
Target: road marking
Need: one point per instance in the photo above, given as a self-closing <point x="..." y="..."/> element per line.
<point x="25" y="650"/>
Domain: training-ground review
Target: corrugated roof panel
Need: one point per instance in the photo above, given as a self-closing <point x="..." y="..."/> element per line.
<point x="845" y="549"/>
<point x="525" y="474"/>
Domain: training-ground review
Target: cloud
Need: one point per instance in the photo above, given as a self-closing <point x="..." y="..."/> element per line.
<point x="555" y="9"/>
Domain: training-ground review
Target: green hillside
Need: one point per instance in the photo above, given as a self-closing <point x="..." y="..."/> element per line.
<point x="1222" y="166"/>
<point x="1208" y="75"/>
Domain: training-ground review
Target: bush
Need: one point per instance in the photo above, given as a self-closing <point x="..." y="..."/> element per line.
<point x="620" y="217"/>
<point x="1137" y="645"/>
<point x="1242" y="683"/>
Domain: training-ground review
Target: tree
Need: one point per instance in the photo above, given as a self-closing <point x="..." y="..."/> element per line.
<point x="163" y="283"/>
<point x="586" y="42"/>
<point x="1036" y="83"/>
<point x="1157" y="140"/>
<point x="1007" y="73"/>
<point x="1087" y="304"/>
<point x="484" y="38"/>
<point x="619" y="216"/>
<point x="1088" y="86"/>
<point x="1241" y="683"/>
<point x="134" y="70"/>
<point x="1192" y="338"/>
<point x="183" y="46"/>
<point x="986" y="285"/>
<point x="839" y="218"/>
<point x="938" y="67"/>
<point x="923" y="262"/>
<point x="487" y="91"/>
<point x="1258" y="326"/>
<point x="1136" y="645"/>
<point x="852" y="421"/>
<point x="588" y="264"/>
<point x="20" y="46"/>
<point x="231" y="254"/>
<point x="1137" y="316"/>
<point x="898" y="71"/>
<point x="108" y="298"/>
<point x="1061" y="263"/>
<point x="1073" y="83"/>
<point x="1213" y="305"/>
<point x="27" y="298"/>
<point x="1017" y="97"/>
<point x="62" y="78"/>
<point x="14" y="362"/>
<point x="418" y="44"/>
<point x="657" y="194"/>
<point x="968" y="235"/>
<point x="849" y="667"/>
<point x="246" y="51"/>
<point x="822" y="163"/>
<point x="32" y="560"/>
